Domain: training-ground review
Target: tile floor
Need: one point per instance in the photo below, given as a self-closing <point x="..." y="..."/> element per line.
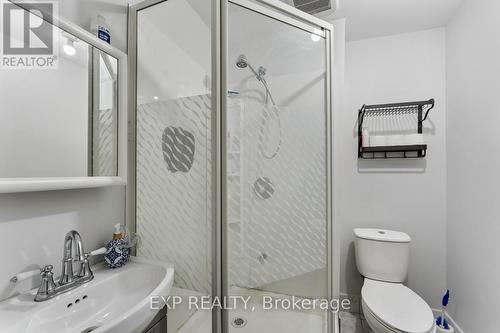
<point x="353" y="323"/>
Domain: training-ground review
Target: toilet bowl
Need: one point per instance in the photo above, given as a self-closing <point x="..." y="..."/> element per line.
<point x="388" y="305"/>
<point x="394" y="308"/>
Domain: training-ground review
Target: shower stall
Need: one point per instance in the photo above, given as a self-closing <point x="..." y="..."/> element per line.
<point x="230" y="159"/>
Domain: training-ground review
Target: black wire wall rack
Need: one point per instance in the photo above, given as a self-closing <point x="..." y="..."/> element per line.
<point x="420" y="108"/>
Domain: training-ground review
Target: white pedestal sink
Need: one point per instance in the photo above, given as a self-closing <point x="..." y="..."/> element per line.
<point x="116" y="300"/>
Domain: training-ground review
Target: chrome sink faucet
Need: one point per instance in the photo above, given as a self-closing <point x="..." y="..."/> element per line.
<point x="71" y="240"/>
<point x="68" y="280"/>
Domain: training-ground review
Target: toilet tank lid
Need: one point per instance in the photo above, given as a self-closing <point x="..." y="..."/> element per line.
<point x="382" y="235"/>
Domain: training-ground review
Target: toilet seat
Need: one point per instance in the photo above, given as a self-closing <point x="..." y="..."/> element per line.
<point x="396" y="307"/>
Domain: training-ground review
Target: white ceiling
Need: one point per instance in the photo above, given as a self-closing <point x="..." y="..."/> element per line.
<point x="375" y="18"/>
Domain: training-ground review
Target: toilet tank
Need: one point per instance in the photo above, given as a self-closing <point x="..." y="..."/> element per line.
<point x="382" y="254"/>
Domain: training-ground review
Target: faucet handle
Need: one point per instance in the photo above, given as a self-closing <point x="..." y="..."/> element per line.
<point x="96" y="252"/>
<point x="85" y="272"/>
<point x="46" y="269"/>
<point x="48" y="285"/>
<point x="47" y="275"/>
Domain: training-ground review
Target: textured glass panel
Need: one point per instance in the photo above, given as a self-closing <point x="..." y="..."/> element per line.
<point x="277" y="167"/>
<point x="173" y="146"/>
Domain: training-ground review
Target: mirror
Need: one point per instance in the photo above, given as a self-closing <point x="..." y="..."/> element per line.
<point x="58" y="103"/>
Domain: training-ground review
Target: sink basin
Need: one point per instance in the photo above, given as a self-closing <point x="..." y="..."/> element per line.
<point x="116" y="300"/>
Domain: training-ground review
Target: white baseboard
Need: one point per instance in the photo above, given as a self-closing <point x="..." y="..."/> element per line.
<point x="453" y="323"/>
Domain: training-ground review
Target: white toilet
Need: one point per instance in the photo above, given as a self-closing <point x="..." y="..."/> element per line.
<point x="388" y="305"/>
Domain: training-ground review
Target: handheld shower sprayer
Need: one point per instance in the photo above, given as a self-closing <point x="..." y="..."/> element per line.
<point x="260" y="73"/>
<point x="242" y="62"/>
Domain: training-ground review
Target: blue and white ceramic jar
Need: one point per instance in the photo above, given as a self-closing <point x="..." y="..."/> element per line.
<point x="117" y="253"/>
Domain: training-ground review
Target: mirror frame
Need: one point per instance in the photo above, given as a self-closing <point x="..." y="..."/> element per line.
<point x="32" y="184"/>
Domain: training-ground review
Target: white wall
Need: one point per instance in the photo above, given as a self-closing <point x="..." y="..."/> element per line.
<point x="371" y="19"/>
<point x="45" y="119"/>
<point x="114" y="11"/>
<point x="81" y="12"/>
<point x="405" y="195"/>
<point x="473" y="85"/>
<point x="33" y="226"/>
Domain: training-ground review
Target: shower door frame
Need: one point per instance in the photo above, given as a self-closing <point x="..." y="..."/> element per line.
<point x="286" y="14"/>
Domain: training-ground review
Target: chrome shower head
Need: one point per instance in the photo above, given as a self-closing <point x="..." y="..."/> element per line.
<point x="242" y="62"/>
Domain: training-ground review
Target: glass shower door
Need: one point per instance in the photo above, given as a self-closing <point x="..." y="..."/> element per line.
<point x="230" y="160"/>
<point x="173" y="157"/>
<point x="276" y="115"/>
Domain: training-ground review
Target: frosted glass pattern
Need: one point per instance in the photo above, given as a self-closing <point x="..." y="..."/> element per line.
<point x="173" y="156"/>
<point x="276" y="156"/>
<point x="173" y="208"/>
<point x="282" y="234"/>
